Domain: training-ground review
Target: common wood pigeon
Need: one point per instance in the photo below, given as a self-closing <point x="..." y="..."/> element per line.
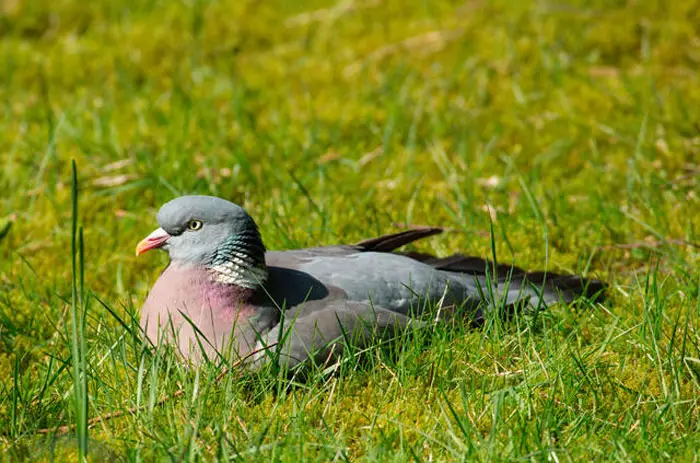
<point x="224" y="294"/>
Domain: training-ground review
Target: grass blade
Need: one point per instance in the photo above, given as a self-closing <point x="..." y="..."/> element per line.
<point x="79" y="362"/>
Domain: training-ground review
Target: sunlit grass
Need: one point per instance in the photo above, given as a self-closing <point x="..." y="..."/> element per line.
<point x="571" y="129"/>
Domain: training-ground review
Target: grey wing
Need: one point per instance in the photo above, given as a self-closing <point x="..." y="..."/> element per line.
<point x="388" y="280"/>
<point x="321" y="331"/>
<point x="367" y="271"/>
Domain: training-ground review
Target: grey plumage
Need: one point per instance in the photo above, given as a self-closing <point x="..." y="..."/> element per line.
<point x="222" y="280"/>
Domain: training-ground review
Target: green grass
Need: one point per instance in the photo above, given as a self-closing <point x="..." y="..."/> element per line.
<point x="574" y="126"/>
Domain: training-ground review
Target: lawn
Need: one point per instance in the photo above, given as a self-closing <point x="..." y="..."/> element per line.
<point x="558" y="135"/>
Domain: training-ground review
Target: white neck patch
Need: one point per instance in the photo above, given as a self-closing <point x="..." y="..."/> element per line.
<point x="239" y="272"/>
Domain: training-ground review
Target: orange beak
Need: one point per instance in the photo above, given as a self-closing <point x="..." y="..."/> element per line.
<point x="153" y="241"/>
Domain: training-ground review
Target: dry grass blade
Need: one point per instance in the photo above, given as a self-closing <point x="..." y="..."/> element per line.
<point x="427" y="43"/>
<point x="649" y="244"/>
<point x="329" y="14"/>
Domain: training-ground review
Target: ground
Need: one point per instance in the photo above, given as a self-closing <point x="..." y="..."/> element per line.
<point x="558" y="135"/>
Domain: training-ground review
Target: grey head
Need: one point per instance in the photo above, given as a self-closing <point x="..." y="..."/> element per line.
<point x="209" y="231"/>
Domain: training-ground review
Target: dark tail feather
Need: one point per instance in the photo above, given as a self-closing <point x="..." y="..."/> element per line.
<point x="573" y="285"/>
<point x="388" y="243"/>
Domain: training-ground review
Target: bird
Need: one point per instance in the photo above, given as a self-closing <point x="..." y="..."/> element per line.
<point x="224" y="295"/>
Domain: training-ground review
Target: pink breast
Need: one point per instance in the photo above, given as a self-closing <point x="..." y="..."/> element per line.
<point x="214" y="308"/>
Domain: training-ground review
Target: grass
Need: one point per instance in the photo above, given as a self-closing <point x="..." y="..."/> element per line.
<point x="570" y="128"/>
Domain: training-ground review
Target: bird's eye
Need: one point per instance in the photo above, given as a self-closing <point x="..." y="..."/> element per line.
<point x="194" y="225"/>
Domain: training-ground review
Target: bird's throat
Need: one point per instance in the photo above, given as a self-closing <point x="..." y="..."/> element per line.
<point x="240" y="261"/>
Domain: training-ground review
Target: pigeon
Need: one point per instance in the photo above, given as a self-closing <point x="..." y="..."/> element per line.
<point x="224" y="294"/>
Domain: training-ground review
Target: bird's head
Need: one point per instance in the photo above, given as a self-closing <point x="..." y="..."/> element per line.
<point x="205" y="230"/>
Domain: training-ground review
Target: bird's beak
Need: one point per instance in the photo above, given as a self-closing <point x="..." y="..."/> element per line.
<point x="152" y="241"/>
